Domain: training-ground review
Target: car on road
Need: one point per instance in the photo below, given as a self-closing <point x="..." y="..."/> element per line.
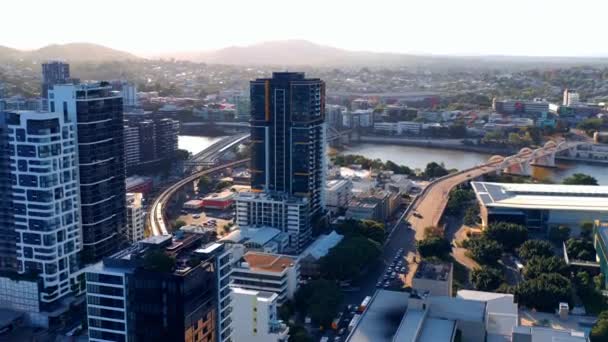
<point x="379" y="283"/>
<point x="402" y="270"/>
<point x="387" y="284"/>
<point x="196" y="216"/>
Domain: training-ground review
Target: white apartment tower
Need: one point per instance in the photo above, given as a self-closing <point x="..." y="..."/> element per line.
<point x="256" y="319"/>
<point x="135" y="217"/>
<point x="42" y="163"/>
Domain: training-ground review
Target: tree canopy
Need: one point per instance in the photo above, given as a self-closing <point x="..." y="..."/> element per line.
<point x="434" y="170"/>
<point x="509" y="235"/>
<point x="368" y="228"/>
<point x="320" y="300"/>
<point x="580" y="179"/>
<point x="486" y="278"/>
<point x="599" y="332"/>
<point x="349" y="258"/>
<point x="537" y="266"/>
<point x="535" y="248"/>
<point x="559" y="233"/>
<point x="580" y="249"/>
<point x="434" y="246"/>
<point x="484" y="250"/>
<point x="458" y="200"/>
<point x="544" y="292"/>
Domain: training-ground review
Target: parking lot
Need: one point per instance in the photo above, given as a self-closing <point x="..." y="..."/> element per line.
<point x="209" y="218"/>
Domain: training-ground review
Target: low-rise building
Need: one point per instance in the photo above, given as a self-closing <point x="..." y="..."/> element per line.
<point x="264" y="239"/>
<point x="256" y="318"/>
<point x="539" y="206"/>
<point x="222" y="200"/>
<point x="434" y="278"/>
<point x="309" y="259"/>
<point x="289" y="214"/>
<point x="338" y="192"/>
<point x="267" y="272"/>
<point x="475" y="316"/>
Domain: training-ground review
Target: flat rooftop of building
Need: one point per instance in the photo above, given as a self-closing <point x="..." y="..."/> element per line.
<point x="334" y="184"/>
<point x="220" y="196"/>
<point x="542" y="196"/>
<point x="321" y="246"/>
<point x="433" y="271"/>
<point x="264" y="295"/>
<point x="259" y="236"/>
<point x="381" y="320"/>
<point x="436" y="330"/>
<point x="268" y="262"/>
<point x="540" y="334"/>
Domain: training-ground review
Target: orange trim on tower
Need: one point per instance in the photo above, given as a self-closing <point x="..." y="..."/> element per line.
<point x="267" y="100"/>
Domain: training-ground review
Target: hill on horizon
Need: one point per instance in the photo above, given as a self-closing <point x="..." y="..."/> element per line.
<point x="72" y="52"/>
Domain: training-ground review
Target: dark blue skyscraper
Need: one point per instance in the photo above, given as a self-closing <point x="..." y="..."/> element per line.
<point x="98" y="112"/>
<point x="288" y="137"/>
<point x="53" y="72"/>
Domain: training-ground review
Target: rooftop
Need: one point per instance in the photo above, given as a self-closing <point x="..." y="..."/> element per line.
<point x="433" y="271"/>
<point x="321" y="246"/>
<point x="258" y="236"/>
<point x="268" y="262"/>
<point x="380" y="321"/>
<point x="335" y="184"/>
<point x="542" y="196"/>
<point x="261" y="295"/>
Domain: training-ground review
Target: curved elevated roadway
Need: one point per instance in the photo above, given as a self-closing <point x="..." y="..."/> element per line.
<point x="158" y="223"/>
<point x="428" y="208"/>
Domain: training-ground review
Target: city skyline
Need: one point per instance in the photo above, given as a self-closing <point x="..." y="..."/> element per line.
<point x="470" y="27"/>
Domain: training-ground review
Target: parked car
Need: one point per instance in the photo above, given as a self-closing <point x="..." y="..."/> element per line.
<point x="196" y="216"/>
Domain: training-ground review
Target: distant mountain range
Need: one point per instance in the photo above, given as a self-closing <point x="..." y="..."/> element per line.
<point x="295" y="53"/>
<point x="73" y="52"/>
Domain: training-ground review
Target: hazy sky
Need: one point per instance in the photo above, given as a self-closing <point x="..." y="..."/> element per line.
<point x="512" y="27"/>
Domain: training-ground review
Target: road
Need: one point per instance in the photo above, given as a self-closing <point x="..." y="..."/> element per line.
<point x="431" y="205"/>
<point x="158" y="224"/>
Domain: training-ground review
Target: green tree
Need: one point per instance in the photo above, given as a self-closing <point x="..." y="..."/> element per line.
<point x="178" y="224"/>
<point x="297" y="333"/>
<point x="434" y="170"/>
<point x="204" y="184"/>
<point x="580" y="249"/>
<point x="535" y="248"/>
<point x="559" y="233"/>
<point x="509" y="235"/>
<point x="471" y="216"/>
<point x="537" y="266"/>
<point x="222" y="185"/>
<point x="544" y="292"/>
<point x="367" y="228"/>
<point x="590" y="125"/>
<point x="484" y="250"/>
<point x="580" y="179"/>
<point x="486" y="278"/>
<point x="320" y="300"/>
<point x="434" y="247"/>
<point x="599" y="332"/>
<point x="397" y="169"/>
<point x="349" y="258"/>
<point x="587" y="230"/>
<point x="458" y="200"/>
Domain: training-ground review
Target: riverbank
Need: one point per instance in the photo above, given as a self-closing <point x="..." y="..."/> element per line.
<point x="445" y="144"/>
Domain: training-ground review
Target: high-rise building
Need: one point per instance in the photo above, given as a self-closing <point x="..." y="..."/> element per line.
<point x="53" y="72"/>
<point x="135" y="217"/>
<point x="257" y="319"/>
<point x="40" y="217"/>
<point x="98" y="113"/>
<point x="288" y="136"/>
<point x="155" y="290"/>
<point x="132" y="152"/>
<point x="571" y="97"/>
<point x="148" y="141"/>
<point x="128" y="90"/>
<point x="287" y="156"/>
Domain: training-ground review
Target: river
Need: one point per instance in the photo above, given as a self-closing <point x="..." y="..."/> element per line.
<point x="418" y="157"/>
<point x="195" y="144"/>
